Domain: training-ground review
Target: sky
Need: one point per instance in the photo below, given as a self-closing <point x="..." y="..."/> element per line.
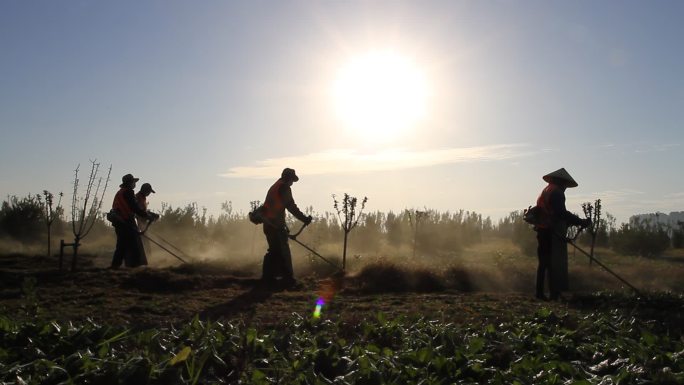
<point x="445" y="105"/>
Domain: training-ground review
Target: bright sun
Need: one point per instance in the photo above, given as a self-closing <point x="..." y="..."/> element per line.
<point x="380" y="95"/>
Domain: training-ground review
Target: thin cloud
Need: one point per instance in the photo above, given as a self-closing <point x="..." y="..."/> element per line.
<point x="353" y="162"/>
<point x="639" y="148"/>
<point x="657" y="148"/>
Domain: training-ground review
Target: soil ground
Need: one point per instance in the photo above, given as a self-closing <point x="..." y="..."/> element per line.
<point x="156" y="297"/>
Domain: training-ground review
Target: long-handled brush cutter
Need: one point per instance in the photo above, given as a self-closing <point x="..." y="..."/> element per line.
<point x="592" y="258"/>
<point x="142" y="234"/>
<point x="164" y="248"/>
<point x="314" y="252"/>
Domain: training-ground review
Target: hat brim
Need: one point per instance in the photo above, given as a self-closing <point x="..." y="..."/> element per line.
<point x="568" y="182"/>
<point x="134" y="180"/>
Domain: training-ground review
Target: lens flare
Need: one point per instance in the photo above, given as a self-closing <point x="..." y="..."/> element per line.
<point x="326" y="291"/>
<point x="319" y="306"/>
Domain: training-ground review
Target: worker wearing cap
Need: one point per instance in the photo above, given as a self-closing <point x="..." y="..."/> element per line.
<point x="126" y="207"/>
<point x="278" y="260"/>
<point x="552" y="249"/>
<point x="141" y="198"/>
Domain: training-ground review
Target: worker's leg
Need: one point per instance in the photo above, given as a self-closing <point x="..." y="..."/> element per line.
<point x="544" y="256"/>
<point x="120" y="250"/>
<point x="286" y="258"/>
<point x="270" y="267"/>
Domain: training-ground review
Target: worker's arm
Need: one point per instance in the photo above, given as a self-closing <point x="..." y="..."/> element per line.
<point x="129" y="196"/>
<point x="291" y="206"/>
<point x="559" y="210"/>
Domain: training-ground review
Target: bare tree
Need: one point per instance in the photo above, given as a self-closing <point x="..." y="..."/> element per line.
<point x="351" y="218"/>
<point x="418" y="216"/>
<point x="85" y="209"/>
<point x="51" y="214"/>
<point x="593" y="213"/>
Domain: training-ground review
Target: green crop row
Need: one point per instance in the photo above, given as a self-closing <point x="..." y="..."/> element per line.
<point x="543" y="348"/>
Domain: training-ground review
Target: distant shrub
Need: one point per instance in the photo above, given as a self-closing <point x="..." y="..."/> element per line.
<point x="637" y="239"/>
<point x="678" y="236"/>
<point x="23" y="218"/>
<point x="520" y="232"/>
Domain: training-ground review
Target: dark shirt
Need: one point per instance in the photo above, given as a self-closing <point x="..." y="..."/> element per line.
<point x="290" y="205"/>
<point x="557" y="200"/>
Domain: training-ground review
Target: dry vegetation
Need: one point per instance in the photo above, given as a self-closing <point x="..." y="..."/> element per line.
<point x="493" y="273"/>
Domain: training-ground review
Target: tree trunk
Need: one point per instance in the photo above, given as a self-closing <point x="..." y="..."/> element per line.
<point x="73" y="260"/>
<point x="344" y="251"/>
<point x="48" y="240"/>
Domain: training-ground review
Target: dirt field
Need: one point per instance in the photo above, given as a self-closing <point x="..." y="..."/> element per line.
<point x="149" y="297"/>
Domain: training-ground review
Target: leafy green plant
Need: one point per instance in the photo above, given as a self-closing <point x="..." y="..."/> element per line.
<point x="545" y="347"/>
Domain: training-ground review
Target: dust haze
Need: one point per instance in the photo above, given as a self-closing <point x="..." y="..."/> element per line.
<point x="387" y="251"/>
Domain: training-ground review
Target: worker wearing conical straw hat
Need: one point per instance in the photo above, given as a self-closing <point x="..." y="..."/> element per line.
<point x="552" y="249"/>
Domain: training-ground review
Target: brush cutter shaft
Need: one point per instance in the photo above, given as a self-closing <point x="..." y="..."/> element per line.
<point x="295" y="235"/>
<point x="605" y="267"/>
<point x="164" y="248"/>
<point x="592" y="258"/>
<point x="142" y="234"/>
<point x="314" y="252"/>
<point x="171" y="245"/>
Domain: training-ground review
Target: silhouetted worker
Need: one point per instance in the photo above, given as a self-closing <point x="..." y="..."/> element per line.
<point x="552" y="248"/>
<point x="143" y="223"/>
<point x="278" y="260"/>
<point x="125" y="207"/>
<point x="141" y="198"/>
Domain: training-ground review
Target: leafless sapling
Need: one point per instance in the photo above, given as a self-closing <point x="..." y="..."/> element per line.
<point x="253" y="207"/>
<point x="593" y="213"/>
<point x="347" y="209"/>
<point x="50" y="214"/>
<point x="85" y="209"/>
<point x="419" y="215"/>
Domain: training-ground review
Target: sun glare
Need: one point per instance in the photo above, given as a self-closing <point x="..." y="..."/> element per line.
<point x="380" y="95"/>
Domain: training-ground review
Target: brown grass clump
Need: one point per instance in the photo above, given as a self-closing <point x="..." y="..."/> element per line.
<point x="458" y="278"/>
<point x="383" y="277"/>
<point x="426" y="281"/>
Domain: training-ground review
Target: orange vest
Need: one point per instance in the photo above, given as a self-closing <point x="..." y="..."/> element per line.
<point x="544" y="202"/>
<point x="274" y="205"/>
<point x="121" y="205"/>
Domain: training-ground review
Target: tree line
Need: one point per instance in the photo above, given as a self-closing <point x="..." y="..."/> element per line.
<point x="28" y="220"/>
